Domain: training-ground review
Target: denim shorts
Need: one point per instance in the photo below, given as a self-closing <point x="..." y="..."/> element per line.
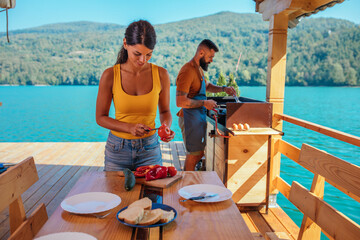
<point x="123" y="153"/>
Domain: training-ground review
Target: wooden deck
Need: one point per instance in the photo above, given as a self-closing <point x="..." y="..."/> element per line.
<point x="59" y="166"/>
<point x="276" y="221"/>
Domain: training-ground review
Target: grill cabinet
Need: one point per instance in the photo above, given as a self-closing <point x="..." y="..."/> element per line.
<point x="241" y="161"/>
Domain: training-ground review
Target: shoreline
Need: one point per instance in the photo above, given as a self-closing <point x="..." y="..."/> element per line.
<point x="45" y="85"/>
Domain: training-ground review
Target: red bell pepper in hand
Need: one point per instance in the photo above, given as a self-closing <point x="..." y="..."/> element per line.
<point x="156" y="173"/>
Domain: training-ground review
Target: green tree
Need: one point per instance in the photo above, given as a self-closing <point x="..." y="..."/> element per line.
<point x="245" y="76"/>
<point x="337" y="75"/>
<point x="221" y="82"/>
<point x="351" y="77"/>
<point x="232" y="83"/>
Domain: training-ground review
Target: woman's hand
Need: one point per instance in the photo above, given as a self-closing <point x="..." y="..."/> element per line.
<point x="169" y="137"/>
<point x="138" y="130"/>
<point x="165" y="133"/>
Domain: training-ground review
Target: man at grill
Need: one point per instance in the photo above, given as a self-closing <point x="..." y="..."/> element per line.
<point x="191" y="88"/>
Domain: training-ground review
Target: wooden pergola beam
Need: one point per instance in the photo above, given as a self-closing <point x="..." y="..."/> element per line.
<point x="293" y="8"/>
<point x="269" y="8"/>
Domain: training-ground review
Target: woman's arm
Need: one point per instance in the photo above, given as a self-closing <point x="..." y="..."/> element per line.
<point x="164" y="97"/>
<point x="164" y="102"/>
<point x="103" y="104"/>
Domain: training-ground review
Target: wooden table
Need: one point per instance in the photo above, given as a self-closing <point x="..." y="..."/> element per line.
<point x="195" y="220"/>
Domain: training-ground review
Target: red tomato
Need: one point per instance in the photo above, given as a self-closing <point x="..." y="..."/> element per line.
<point x="172" y="171"/>
<point x="164" y="131"/>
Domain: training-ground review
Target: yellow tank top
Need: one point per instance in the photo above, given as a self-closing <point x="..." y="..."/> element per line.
<point x="135" y="109"/>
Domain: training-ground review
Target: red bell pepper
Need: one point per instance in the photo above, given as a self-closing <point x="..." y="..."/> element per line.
<point x="171" y="171"/>
<point x="156" y="173"/>
<point x="141" y="171"/>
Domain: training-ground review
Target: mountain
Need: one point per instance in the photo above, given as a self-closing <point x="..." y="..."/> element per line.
<point x="321" y="51"/>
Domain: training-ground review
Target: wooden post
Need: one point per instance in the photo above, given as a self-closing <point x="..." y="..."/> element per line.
<point x="276" y="82"/>
<point x="16" y="214"/>
<point x="309" y="229"/>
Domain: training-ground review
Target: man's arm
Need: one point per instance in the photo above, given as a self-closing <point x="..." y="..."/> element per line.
<point x="215" y="89"/>
<point x="183" y="83"/>
<point x="183" y="101"/>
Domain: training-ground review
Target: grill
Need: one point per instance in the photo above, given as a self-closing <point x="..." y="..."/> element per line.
<point x="256" y="113"/>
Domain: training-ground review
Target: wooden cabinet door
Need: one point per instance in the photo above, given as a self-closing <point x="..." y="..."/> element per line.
<point x="247" y="169"/>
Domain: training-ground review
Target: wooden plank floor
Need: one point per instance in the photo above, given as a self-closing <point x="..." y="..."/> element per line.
<point x="60" y="164"/>
<point x="275" y="220"/>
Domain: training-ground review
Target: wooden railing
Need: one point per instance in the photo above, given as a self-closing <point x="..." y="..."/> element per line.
<point x="318" y="214"/>
<point x="321" y="129"/>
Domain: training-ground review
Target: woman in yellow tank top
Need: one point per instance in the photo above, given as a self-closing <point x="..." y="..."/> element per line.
<point x="137" y="88"/>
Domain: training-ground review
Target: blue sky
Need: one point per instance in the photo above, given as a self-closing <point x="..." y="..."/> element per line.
<point x="33" y="13"/>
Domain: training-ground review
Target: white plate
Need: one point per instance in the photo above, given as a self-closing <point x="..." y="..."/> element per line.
<point x="196" y="189"/>
<point x="67" y="236"/>
<point x="90" y="202"/>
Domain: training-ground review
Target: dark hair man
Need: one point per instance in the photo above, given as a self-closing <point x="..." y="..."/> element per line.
<point x="191" y="90"/>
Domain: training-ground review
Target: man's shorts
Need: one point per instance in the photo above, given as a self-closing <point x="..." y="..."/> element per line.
<point x="182" y="127"/>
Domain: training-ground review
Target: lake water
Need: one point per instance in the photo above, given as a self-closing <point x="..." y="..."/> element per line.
<point x="67" y="113"/>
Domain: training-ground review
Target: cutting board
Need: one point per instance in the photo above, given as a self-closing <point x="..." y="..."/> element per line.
<point x="159" y="183"/>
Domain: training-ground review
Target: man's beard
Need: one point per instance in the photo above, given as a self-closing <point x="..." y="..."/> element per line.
<point x="204" y="65"/>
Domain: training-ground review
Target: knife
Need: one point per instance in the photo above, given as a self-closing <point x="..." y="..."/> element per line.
<point x="148" y="130"/>
<point x="200" y="197"/>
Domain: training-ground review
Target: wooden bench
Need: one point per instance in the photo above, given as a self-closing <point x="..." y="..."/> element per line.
<point x="14" y="182"/>
<point x="319" y="215"/>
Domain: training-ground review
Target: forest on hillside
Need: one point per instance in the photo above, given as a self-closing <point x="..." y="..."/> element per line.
<point x="321" y="51"/>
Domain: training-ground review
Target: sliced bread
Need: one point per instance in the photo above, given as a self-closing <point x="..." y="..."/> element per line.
<point x="145" y="203"/>
<point x="151" y="217"/>
<point x="132" y="215"/>
<point x="167" y="216"/>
